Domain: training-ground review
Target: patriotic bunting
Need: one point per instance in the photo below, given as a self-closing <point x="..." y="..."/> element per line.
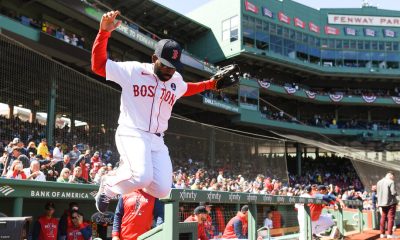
<point x="311" y="95"/>
<point x="336" y="97"/>
<point x="396" y="100"/>
<point x="290" y="90"/>
<point x="264" y="84"/>
<point x="369" y="99"/>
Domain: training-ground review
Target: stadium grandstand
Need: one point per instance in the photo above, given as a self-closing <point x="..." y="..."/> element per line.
<point x="317" y="104"/>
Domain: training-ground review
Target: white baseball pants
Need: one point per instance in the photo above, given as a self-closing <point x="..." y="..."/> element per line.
<point x="144" y="164"/>
<point x="323" y="223"/>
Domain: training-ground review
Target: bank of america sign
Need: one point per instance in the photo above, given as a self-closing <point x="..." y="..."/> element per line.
<point x="364" y="20"/>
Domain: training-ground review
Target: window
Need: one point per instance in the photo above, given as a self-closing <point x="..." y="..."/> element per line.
<point x="230" y="28"/>
<point x="299" y="36"/>
<point x="339" y="44"/>
<point x="353" y="44"/>
<point x="367" y="45"/>
<point x="272" y="28"/>
<point x="360" y="45"/>
<point x="248" y="31"/>
<point x="331" y="43"/>
<point x="279" y="30"/>
<point x="395" y="46"/>
<point x="388" y="46"/>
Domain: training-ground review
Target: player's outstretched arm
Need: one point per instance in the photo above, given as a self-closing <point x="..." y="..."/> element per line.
<point x="99" y="50"/>
<point x="194" y="88"/>
<point x="225" y="77"/>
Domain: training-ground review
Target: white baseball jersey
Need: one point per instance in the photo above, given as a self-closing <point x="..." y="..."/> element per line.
<point x="146" y="101"/>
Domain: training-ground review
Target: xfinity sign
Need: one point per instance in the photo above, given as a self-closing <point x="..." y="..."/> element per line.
<point x="364" y="20"/>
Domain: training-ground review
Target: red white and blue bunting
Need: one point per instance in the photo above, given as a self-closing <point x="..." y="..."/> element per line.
<point x="311" y="94"/>
<point x="396" y="100"/>
<point x="336" y="97"/>
<point x="290" y="90"/>
<point x="264" y="84"/>
<point x="369" y="99"/>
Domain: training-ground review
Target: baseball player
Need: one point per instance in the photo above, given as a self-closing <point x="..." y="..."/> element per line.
<point x="149" y="92"/>
<point x="133" y="215"/>
<point x="322" y="222"/>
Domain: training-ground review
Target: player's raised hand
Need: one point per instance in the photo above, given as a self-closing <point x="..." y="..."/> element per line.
<point x="108" y="23"/>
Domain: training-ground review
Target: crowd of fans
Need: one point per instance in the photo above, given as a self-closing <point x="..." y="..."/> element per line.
<point x="329" y="121"/>
<point x="47" y="27"/>
<point x="394" y="92"/>
<point x="26" y="155"/>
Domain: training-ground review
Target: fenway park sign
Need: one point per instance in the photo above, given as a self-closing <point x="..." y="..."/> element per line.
<point x="364" y="20"/>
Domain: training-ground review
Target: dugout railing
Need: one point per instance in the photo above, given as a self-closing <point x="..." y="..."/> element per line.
<point x="27" y="198"/>
<point x="173" y="228"/>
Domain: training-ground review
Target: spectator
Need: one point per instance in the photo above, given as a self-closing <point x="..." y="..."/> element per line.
<point x="45" y="228"/>
<point x="220" y="177"/>
<point x="18" y="143"/>
<point x="81" y="42"/>
<point x="133" y="215"/>
<point x="57" y="153"/>
<point x="77" y="176"/>
<point x="95" y="158"/>
<point x="387" y="202"/>
<point x="64" y="164"/>
<point x="34" y="173"/>
<point x="92" y="175"/>
<point x="16" y="171"/>
<point x="81" y="162"/>
<point x="74" y="154"/>
<point x="74" y="40"/>
<point x="16" y="152"/>
<point x="78" y="229"/>
<point x="31" y="148"/>
<point x="42" y="149"/>
<point x="66" y="221"/>
<point x="237" y="226"/>
<point x="3" y="161"/>
<point x="64" y="175"/>
<point x="200" y="216"/>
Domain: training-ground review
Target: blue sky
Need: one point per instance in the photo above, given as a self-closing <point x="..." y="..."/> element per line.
<point x="185" y="6"/>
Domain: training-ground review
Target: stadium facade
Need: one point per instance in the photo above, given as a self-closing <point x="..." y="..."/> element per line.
<point x="293" y="57"/>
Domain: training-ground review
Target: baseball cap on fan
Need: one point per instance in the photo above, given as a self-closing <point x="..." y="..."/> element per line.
<point x="169" y="52"/>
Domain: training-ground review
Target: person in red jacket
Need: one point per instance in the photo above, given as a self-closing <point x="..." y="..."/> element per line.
<point x="79" y="230"/>
<point x="199" y="216"/>
<point x="209" y="228"/>
<point x="46" y="226"/>
<point x="133" y="215"/>
<point x="322" y="222"/>
<point x="237" y="226"/>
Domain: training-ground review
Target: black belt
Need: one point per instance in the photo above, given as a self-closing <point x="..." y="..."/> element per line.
<point x="158" y="134"/>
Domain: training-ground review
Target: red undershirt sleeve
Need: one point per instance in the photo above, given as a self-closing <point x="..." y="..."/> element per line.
<point x="194" y="88"/>
<point x="99" y="53"/>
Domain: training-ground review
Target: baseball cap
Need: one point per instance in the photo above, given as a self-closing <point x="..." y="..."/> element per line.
<point x="205" y="204"/>
<point x="200" y="209"/>
<point x="321" y="187"/>
<point x="245" y="208"/>
<point x="49" y="205"/>
<point x="16" y="140"/>
<point x="169" y="53"/>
